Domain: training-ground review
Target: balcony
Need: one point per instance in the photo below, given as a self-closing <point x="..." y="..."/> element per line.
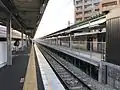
<point x="87" y="9"/>
<point x="88" y="2"/>
<point x="80" y="4"/>
<point x="87" y="14"/>
<point x="79" y="8"/>
<point x="96" y="1"/>
<point x="79" y="16"/>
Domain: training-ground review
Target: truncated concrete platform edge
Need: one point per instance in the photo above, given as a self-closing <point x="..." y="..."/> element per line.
<point x="50" y="80"/>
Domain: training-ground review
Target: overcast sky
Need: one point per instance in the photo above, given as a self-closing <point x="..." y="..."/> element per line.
<point x="56" y="17"/>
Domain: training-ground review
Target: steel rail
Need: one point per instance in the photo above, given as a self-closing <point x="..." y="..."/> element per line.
<point x="66" y="83"/>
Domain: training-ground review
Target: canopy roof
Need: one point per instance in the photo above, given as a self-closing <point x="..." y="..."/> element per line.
<point x="26" y="14"/>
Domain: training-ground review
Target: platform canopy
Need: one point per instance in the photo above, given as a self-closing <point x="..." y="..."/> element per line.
<point x="26" y="14"/>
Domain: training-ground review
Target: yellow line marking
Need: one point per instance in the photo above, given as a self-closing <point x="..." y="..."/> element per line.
<point x="30" y="78"/>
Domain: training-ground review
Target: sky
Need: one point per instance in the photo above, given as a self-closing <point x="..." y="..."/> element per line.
<point x="56" y="17"/>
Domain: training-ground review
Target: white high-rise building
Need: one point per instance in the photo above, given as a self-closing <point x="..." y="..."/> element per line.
<point x="84" y="9"/>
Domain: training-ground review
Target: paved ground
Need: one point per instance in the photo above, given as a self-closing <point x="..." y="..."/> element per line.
<point x="12" y="77"/>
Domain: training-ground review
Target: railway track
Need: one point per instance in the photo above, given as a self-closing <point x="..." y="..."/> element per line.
<point x="69" y="80"/>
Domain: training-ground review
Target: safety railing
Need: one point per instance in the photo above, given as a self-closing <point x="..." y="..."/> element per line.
<point x="91" y="49"/>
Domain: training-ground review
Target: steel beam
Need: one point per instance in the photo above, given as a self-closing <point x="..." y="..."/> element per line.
<point x="2" y="4"/>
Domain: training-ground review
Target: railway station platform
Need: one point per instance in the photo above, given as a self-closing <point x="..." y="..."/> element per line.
<point x="12" y="77"/>
<point x="30" y="71"/>
<point x="89" y="57"/>
<point x="103" y="70"/>
<point x="50" y="80"/>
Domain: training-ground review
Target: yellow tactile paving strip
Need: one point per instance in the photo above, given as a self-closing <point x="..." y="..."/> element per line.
<point x="30" y="78"/>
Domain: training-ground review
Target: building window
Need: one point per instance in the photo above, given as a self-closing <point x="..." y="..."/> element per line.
<point x="86" y="18"/>
<point x="78" y="13"/>
<point x="78" y="19"/>
<point x="87" y="6"/>
<point x="79" y="7"/>
<point x="78" y="2"/>
<point x="87" y="12"/>
<point x="109" y="4"/>
<point x="96" y="4"/>
<point x="97" y="9"/>
<point x="87" y="1"/>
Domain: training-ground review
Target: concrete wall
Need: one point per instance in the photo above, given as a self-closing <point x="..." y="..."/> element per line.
<point x="110" y="7"/>
<point x="113" y="75"/>
<point x="3" y="53"/>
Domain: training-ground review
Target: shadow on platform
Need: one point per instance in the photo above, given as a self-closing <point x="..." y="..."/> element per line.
<point x="12" y="77"/>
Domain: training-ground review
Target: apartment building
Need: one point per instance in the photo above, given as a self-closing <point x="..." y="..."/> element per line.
<point x="84" y="9"/>
<point x="107" y="5"/>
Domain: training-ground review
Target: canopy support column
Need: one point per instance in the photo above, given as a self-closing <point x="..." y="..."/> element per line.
<point x="9" y="37"/>
<point x="22" y="40"/>
<point x="70" y="41"/>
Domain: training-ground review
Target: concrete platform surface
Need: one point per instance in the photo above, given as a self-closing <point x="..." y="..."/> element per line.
<point x="12" y="77"/>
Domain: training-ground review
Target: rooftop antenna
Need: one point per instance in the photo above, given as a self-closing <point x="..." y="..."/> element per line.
<point x="68" y="23"/>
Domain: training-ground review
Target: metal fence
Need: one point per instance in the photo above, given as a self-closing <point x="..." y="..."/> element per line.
<point x="90" y="49"/>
